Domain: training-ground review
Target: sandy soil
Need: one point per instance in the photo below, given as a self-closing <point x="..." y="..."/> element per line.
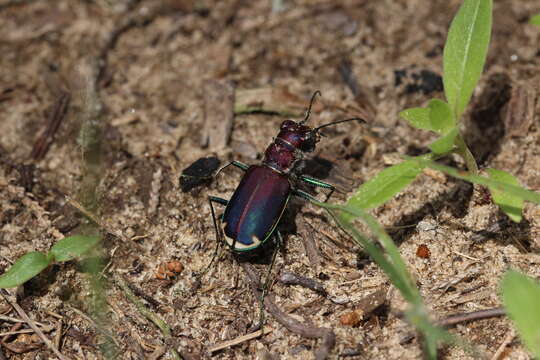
<point x="161" y="79"/>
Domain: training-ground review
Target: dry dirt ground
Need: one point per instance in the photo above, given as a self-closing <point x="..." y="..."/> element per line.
<point x="161" y="80"/>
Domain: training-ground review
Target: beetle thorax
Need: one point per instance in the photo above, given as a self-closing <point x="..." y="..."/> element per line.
<point x="288" y="147"/>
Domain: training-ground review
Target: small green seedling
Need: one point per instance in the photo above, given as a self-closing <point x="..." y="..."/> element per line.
<point x="520" y="295"/>
<point x="535" y="20"/>
<point x="32" y="263"/>
<point x="463" y="60"/>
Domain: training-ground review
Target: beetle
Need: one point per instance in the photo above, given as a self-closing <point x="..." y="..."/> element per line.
<point x="256" y="207"/>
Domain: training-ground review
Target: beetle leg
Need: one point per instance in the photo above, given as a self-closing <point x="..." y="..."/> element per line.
<point x="304" y="195"/>
<point x="319" y="183"/>
<point x="211" y="200"/>
<point x="238" y="164"/>
<point x="268" y="280"/>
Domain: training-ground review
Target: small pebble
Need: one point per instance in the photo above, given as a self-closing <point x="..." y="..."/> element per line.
<point x="423" y="252"/>
<point x="350" y="319"/>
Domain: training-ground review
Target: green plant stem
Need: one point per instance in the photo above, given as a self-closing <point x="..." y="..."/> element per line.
<point x="477" y="179"/>
<point x="466" y="154"/>
<point x="162" y="325"/>
<point x="92" y="121"/>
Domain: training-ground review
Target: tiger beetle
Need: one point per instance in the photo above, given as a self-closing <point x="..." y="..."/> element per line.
<point x="255" y="209"/>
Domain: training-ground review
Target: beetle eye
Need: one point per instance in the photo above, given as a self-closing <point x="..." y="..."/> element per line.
<point x="287" y="124"/>
<point x="308" y="142"/>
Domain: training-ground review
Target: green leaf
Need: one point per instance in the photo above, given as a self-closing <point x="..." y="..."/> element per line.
<point x="440" y="116"/>
<point x="384" y="185"/>
<point x="417" y="117"/>
<point x="517" y="191"/>
<point x="436" y="117"/>
<point x="510" y="204"/>
<point x="520" y="296"/>
<point x="445" y="143"/>
<point x="72" y="247"/>
<point x="25" y="268"/>
<point x="465" y="52"/>
<point x="535" y="20"/>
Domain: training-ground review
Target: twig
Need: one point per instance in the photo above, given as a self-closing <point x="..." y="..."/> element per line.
<point x="15" y="327"/>
<point x="96" y="220"/>
<point x="289" y="278"/>
<point x="32" y="324"/>
<point x="98" y="327"/>
<point x="21" y="348"/>
<point x="42" y="144"/>
<point x="329" y="236"/>
<point x="138" y="292"/>
<point x="85" y="212"/>
<point x="162" y="325"/>
<point x="25" y="331"/>
<point x="52" y="313"/>
<point x="507" y="340"/>
<point x="465" y="256"/>
<point x="7" y="259"/>
<point x="326" y="334"/>
<point x="309" y="243"/>
<point x="58" y="336"/>
<point x="465" y="276"/>
<point x="472" y="316"/>
<point x="239" y="340"/>
<point x="15" y="320"/>
<point x="461" y="318"/>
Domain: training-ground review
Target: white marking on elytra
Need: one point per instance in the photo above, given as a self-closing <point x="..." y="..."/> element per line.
<point x="237" y="245"/>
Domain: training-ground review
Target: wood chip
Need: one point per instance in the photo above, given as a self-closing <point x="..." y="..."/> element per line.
<point x="518" y="113"/>
<point x="218" y="114"/>
<point x="239" y="340"/>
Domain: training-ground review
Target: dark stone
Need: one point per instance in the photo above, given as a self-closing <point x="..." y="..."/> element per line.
<point x="198" y="173"/>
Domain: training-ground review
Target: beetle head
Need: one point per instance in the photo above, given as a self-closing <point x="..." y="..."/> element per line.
<point x="300" y="136"/>
<point x="303" y="137"/>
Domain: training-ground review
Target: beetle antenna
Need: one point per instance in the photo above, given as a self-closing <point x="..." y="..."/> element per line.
<point x="310" y="104"/>
<point x="339" y="122"/>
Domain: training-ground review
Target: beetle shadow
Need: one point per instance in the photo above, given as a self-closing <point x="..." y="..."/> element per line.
<point x="485" y="131"/>
<point x="261" y="255"/>
<point x="326" y="170"/>
<point x="456" y="199"/>
<point x="502" y="230"/>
